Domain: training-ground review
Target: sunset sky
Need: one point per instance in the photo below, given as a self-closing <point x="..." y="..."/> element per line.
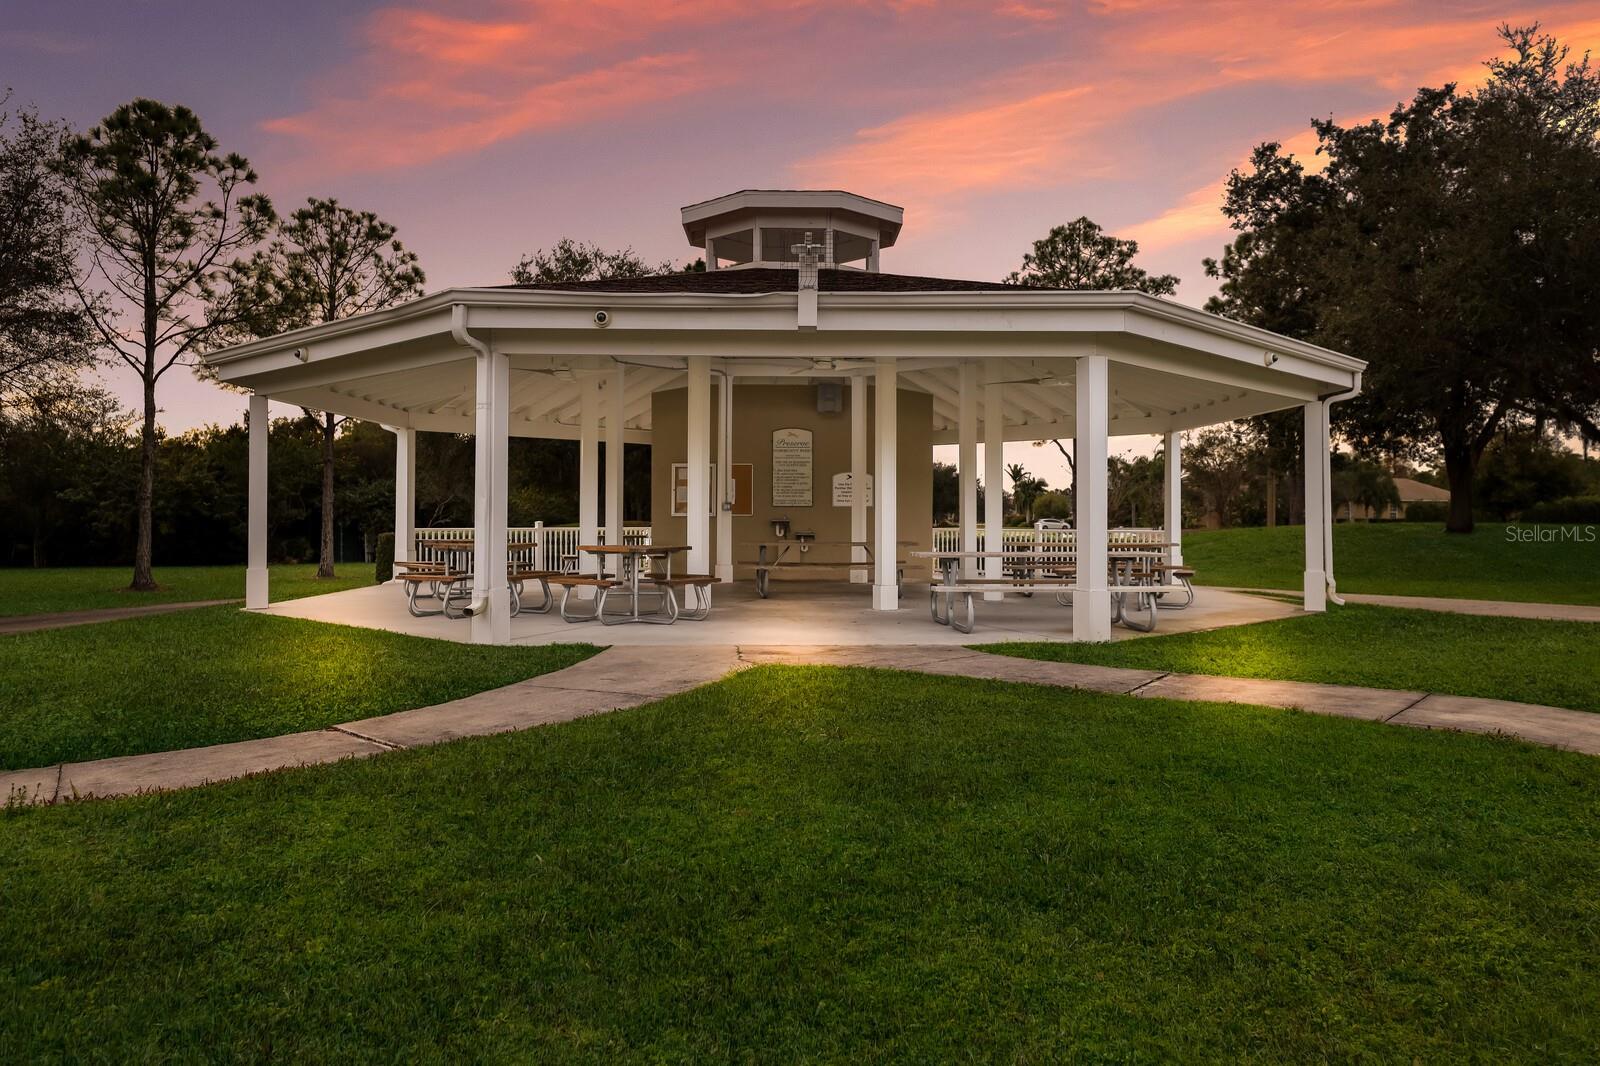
<point x="486" y="128"/>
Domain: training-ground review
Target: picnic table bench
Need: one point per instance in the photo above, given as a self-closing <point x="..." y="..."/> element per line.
<point x="1138" y="582"/>
<point x="776" y="556"/>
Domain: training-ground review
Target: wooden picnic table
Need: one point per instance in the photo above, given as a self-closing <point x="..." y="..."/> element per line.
<point x="630" y="565"/>
<point x="1037" y="570"/>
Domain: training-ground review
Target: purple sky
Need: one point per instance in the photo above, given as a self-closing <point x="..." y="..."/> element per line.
<point x="487" y="128"/>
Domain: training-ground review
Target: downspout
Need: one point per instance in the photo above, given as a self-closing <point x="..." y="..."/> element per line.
<point x="458" y="330"/>
<point x="725" y="441"/>
<point x="1327" y="485"/>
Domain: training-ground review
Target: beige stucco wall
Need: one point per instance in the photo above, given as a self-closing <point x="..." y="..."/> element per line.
<point x="757" y="411"/>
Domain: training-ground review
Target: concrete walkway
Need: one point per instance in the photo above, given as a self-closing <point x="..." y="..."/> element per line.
<point x="616" y="678"/>
<point x="1554" y="727"/>
<point x="32" y="623"/>
<point x="1558" y="612"/>
<point x="626" y="676"/>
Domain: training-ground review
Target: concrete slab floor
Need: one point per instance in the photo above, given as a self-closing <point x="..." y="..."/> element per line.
<point x="799" y="613"/>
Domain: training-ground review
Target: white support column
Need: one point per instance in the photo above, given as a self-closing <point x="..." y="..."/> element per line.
<point x="491" y="619"/>
<point x="588" y="475"/>
<point x="616" y="415"/>
<point x="1091" y="599"/>
<point x="697" y="526"/>
<point x="967" y="462"/>
<point x="255" y="574"/>
<point x="755" y="245"/>
<point x="1172" y="497"/>
<point x="872" y="258"/>
<point x="858" y="475"/>
<point x="405" y="492"/>
<point x="711" y="254"/>
<point x="723" y="497"/>
<point x="994" y="487"/>
<point x="886" y="494"/>
<point x="1317" y="509"/>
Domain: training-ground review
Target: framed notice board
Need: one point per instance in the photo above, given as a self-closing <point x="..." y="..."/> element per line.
<point x="744" y="489"/>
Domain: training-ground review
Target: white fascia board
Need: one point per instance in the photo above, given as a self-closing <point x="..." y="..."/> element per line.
<point x="1056" y="311"/>
<point x="270" y="375"/>
<point x="1034" y="324"/>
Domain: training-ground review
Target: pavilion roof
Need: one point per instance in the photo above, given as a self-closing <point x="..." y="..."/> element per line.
<point x="753" y="281"/>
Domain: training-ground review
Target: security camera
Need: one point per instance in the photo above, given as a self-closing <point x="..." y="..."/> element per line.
<point x="602" y="318"/>
<point x="1269" y="357"/>
<point x="301" y="354"/>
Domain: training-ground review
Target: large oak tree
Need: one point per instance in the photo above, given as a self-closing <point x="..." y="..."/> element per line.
<point x="1452" y="246"/>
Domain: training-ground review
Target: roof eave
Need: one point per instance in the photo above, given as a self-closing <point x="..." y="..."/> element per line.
<point x="987" y="299"/>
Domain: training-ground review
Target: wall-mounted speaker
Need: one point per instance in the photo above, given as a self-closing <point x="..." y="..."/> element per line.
<point x="830" y="398"/>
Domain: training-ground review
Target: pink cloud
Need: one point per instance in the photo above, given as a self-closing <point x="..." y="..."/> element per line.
<point x="426" y="80"/>
<point x="1058" y="122"/>
<point x="425" y="84"/>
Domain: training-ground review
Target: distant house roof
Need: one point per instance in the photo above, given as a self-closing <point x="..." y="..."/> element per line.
<point x="1413" y="491"/>
<point x="757" y="280"/>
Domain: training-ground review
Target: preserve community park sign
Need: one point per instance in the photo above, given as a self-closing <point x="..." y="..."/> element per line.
<point x="791" y="468"/>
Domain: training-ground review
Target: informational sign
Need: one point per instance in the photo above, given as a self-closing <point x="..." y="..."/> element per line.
<point x="844" y="489"/>
<point x="791" y="468"/>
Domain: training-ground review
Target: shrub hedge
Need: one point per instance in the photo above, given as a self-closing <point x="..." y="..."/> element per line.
<point x="385" y="557"/>
<point x="1428" y="511"/>
<point x="1568" y="509"/>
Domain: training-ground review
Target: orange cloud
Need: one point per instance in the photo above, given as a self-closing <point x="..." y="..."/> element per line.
<point x="349" y="135"/>
<point x="425" y="82"/>
<point x="1054" y="123"/>
<point x="428" y="84"/>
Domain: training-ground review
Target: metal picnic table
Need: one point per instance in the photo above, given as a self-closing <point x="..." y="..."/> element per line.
<point x="1046" y="567"/>
<point x="630" y="566"/>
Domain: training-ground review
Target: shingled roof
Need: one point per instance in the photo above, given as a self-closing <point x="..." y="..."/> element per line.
<point x="756" y="280"/>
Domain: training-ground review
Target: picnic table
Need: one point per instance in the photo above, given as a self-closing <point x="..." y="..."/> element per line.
<point x="1138" y="574"/>
<point x="775" y="555"/>
<point x="629" y="566"/>
<point x="450" y="578"/>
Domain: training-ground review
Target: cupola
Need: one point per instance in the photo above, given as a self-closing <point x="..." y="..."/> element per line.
<point x="761" y="227"/>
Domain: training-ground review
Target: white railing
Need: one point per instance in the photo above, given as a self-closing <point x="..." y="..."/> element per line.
<point x="555" y="547"/>
<point x="549" y="547"/>
<point x="948" y="538"/>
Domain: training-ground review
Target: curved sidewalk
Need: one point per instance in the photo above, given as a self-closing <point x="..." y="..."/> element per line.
<point x="609" y="681"/>
<point x="1553" y="612"/>
<point x="625" y="676"/>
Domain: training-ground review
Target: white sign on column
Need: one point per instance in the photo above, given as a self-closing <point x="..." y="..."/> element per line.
<point x="844" y="489"/>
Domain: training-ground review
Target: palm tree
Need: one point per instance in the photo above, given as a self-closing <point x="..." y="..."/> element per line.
<point x="1025" y="488"/>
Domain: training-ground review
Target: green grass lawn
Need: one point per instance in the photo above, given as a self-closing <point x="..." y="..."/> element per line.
<point x="217" y="674"/>
<point x="1383" y="647"/>
<point x="820" y="864"/>
<point x="1405" y="559"/>
<point x="82" y="588"/>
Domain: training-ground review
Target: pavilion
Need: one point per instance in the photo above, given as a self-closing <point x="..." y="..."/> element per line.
<point x="790" y="367"/>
